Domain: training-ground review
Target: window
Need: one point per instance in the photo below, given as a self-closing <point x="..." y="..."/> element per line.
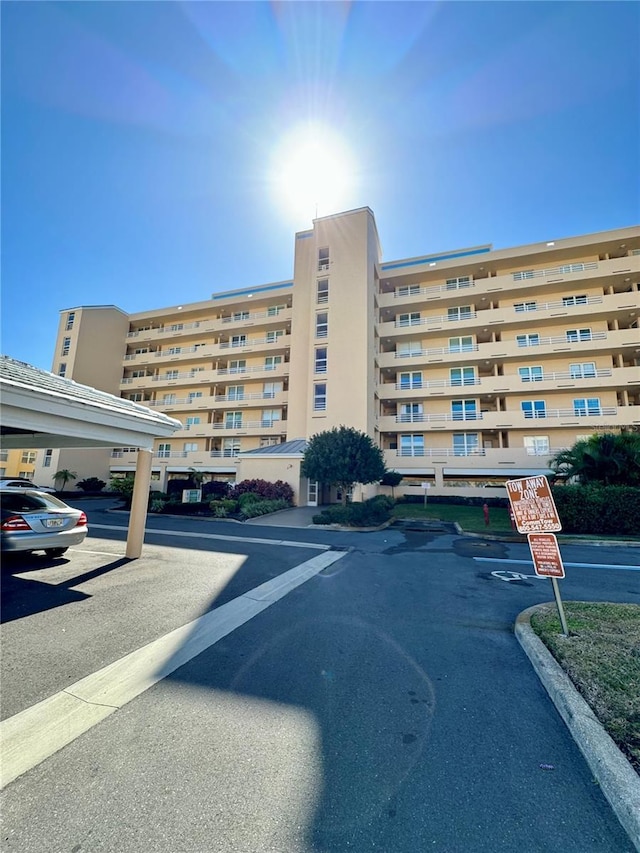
<point x="410" y="380"/>
<point x="582" y="370"/>
<point x="586" y="406"/>
<point x="46" y="462"/>
<point x="230" y="447"/>
<point x="531" y="374"/>
<point x="525" y="306"/>
<point x="269" y="441"/>
<point x="241" y="315"/>
<point x="62" y="369"/>
<point x="28" y="457"/>
<point x="461" y="344"/>
<point x="532" y="340"/>
<point x="71" y="316"/>
<point x="136" y="398"/>
<point x="319" y="397"/>
<point x="410" y="413"/>
<point x="408" y="319"/>
<point x="190" y="446"/>
<point x="270" y="417"/>
<point x="141" y="351"/>
<point x="462" y="376"/>
<point x="461" y="281"/>
<point x="272" y="337"/>
<point x="411" y="445"/>
<point x="465" y="443"/>
<point x="320" y="362"/>
<point x="164" y="451"/>
<point x="574" y="335"/>
<point x="194" y="370"/>
<point x="66" y="346"/>
<point x="274" y="310"/>
<point x="322" y="325"/>
<point x="233" y="420"/>
<point x="270" y="389"/>
<point x="138" y="374"/>
<point x="176" y="327"/>
<point x="192" y="421"/>
<point x="461" y="313"/>
<point x="193" y="395"/>
<point x="239" y="341"/>
<point x="235" y="392"/>
<point x="3" y="472"/>
<point x="322" y="291"/>
<point x="534" y="408"/>
<point x="171" y="374"/>
<point x="537" y="445"/>
<point x="406" y="349"/>
<point x="464" y="410"/>
<point x="238" y="366"/>
<point x="168" y="399"/>
<point x="272" y="361"/>
<point x="174" y="350"/>
<point x="24" y="475"/>
<point x="575" y="300"/>
<point x="408" y="290"/>
<point x="323" y="258"/>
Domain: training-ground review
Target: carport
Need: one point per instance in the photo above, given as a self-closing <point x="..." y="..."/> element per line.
<point x="42" y="410"/>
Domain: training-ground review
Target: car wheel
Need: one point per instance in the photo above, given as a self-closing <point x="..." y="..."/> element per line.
<point x="54" y="552"/>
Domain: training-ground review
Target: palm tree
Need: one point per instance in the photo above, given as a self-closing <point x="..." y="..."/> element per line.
<point x="196" y="477"/>
<point x="612" y="459"/>
<point x="64" y="475"/>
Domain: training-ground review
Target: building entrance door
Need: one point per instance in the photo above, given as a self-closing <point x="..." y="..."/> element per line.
<point x="312" y="493"/>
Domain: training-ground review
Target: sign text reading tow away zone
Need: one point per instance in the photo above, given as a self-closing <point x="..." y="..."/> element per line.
<point x="533" y="508"/>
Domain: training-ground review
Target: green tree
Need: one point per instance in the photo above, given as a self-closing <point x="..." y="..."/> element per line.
<point x="612" y="459"/>
<point x="393" y="479"/>
<point x="341" y="457"/>
<point x="63" y="476"/>
<point x="196" y="477"/>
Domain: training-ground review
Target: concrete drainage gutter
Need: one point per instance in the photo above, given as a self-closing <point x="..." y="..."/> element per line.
<point x="619" y="782"/>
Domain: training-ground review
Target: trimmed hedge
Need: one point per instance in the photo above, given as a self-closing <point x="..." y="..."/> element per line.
<point x="371" y="513"/>
<point x="264" y="490"/>
<point x="598" y="509"/>
<point x="255" y="508"/>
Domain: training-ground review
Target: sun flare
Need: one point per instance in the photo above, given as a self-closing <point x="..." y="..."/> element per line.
<point x="313" y="172"/>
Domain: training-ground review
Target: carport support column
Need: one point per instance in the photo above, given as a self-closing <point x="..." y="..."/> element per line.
<point x="139" y="503"/>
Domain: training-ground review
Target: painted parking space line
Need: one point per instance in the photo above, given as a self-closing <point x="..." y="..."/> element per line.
<point x="195" y="535"/>
<point x="31" y="736"/>
<point x="573" y="565"/>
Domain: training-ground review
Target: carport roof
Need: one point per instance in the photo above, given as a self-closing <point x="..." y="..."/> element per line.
<point x="40" y="409"/>
<point x="296" y="447"/>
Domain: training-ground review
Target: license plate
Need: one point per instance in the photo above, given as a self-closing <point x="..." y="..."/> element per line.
<point x="54" y="522"/>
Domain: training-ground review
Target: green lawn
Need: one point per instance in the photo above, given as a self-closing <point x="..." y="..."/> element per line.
<point x="470" y="518"/>
<point x="602" y="658"/>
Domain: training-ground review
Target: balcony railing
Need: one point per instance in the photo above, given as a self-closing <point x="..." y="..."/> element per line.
<point x="258" y="315"/>
<point x="250" y="342"/>
<point x="240" y="398"/>
<point x="440" y="451"/>
<point x="567" y="374"/>
<point x="436" y="351"/>
<point x="170" y="454"/>
<point x="263" y="424"/>
<point x="163" y="330"/>
<point x="435" y="417"/>
<point x="575" y="412"/>
<point x="443" y="318"/>
<point x="232" y="371"/>
<point x="436" y="383"/>
<point x="552" y="306"/>
<point x="562" y="270"/>
<point x="224" y="454"/>
<point x="403" y="292"/>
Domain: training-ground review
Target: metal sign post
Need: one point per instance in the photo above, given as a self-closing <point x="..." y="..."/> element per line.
<point x="563" y="621"/>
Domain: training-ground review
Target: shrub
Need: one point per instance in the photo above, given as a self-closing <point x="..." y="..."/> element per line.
<point x="195" y="508"/>
<point x="157" y="505"/>
<point x="124" y="487"/>
<point x="256" y="508"/>
<point x="264" y="489"/>
<point x="596" y="509"/>
<point x="223" y="508"/>
<point x="247" y="498"/>
<point x="371" y="513"/>
<point x="215" y="489"/>
<point x="91" y="484"/>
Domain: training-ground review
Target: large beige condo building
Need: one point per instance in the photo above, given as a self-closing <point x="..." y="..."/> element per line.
<point x="466" y="367"/>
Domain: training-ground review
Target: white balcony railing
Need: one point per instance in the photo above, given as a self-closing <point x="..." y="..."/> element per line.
<point x="224" y="454"/>
<point x="437" y="417"/>
<point x="440" y="451"/>
<point x="240" y="398"/>
<point x="415" y="353"/>
<point x="170" y="454"/>
<point x="443" y="318"/>
<point x="411" y="290"/>
<point x="257" y="315"/>
<point x="561" y="270"/>
<point x="163" y="330"/>
<point x="262" y="424"/>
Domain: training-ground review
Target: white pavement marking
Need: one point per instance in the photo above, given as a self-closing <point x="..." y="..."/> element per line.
<point x="197" y="535"/>
<point x="573" y="565"/>
<point x="34" y="734"/>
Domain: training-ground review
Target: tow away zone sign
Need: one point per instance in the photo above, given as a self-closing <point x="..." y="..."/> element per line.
<point x="533" y="507"/>
<point x="546" y="555"/>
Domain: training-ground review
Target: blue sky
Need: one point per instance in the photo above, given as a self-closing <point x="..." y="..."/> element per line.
<point x="139" y="139"/>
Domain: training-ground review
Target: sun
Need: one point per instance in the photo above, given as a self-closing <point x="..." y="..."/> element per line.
<point x="313" y="171"/>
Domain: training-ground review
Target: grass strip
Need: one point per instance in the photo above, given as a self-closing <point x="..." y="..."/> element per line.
<point x="601" y="656"/>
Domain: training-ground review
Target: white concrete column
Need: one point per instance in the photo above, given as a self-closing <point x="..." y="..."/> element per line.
<point x="139" y="502"/>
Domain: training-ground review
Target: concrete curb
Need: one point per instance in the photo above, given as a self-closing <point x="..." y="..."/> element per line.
<point x="619" y="782"/>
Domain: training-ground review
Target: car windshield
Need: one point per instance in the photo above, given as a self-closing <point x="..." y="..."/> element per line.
<point x="24" y="502"/>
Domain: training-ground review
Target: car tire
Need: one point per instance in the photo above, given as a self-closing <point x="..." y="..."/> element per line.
<point x="54" y="552"/>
